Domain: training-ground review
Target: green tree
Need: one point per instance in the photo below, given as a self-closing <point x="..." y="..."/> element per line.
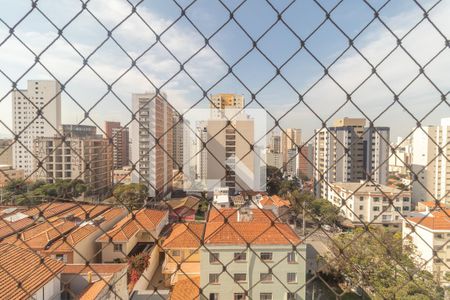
<point x="382" y="264"/>
<point x="131" y="195"/>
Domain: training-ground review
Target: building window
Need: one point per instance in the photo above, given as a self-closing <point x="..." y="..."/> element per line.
<point x="214" y="278"/>
<point x="376" y="199"/>
<point x="376" y="208"/>
<point x="175" y="252"/>
<point x="265" y="277"/>
<point x="213" y="258"/>
<point x="117" y="247"/>
<point x="291" y="277"/>
<point x="213" y="296"/>
<point x="265" y="296"/>
<point x="361" y="207"/>
<point x="239" y="296"/>
<point x="291" y="257"/>
<point x="240" y="277"/>
<point x="266" y="256"/>
<point x="290" y="296"/>
<point x="405" y="207"/>
<point x="60" y="257"/>
<point x="240" y="256"/>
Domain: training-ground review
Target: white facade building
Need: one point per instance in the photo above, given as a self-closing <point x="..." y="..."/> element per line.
<point x="366" y="202"/>
<point x="431" y="150"/>
<point x="26" y="104"/>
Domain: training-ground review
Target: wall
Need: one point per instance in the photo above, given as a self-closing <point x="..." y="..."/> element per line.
<point x="153" y="264"/>
<point x="51" y="290"/>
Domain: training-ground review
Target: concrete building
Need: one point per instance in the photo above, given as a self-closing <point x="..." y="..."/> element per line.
<point x="7" y="173"/>
<point x="6" y="152"/>
<point x="118" y="136"/>
<point x="178" y="142"/>
<point x="402" y="158"/>
<point x="273" y="159"/>
<point x="350" y="152"/>
<point x="366" y="202"/>
<point x="306" y="161"/>
<point x="290" y="138"/>
<point x="226" y="101"/>
<point x="82" y="154"/>
<point x="249" y="244"/>
<point x="152" y="143"/>
<point x="430" y="163"/>
<point x="36" y="112"/>
<point x="430" y="233"/>
<point x="275" y="143"/>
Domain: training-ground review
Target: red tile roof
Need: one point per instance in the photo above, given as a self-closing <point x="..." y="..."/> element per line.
<point x="437" y="220"/>
<point x="23" y="265"/>
<point x="145" y="219"/>
<point x="275" y="201"/>
<point x="184" y="235"/>
<point x="94" y="268"/>
<point x="186" y="289"/>
<point x="93" y="290"/>
<point x="258" y="215"/>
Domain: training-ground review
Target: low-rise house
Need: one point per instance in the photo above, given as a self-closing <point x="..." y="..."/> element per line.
<point x="280" y="207"/>
<point x="39" y="277"/>
<point x="183" y="209"/>
<point x="46" y="237"/>
<point x="367" y="202"/>
<point x="181" y="247"/>
<point x="264" y="258"/>
<point x="7" y="174"/>
<point x="426" y="206"/>
<point x="221" y="197"/>
<point x="186" y="289"/>
<point x="133" y="234"/>
<point x="430" y="234"/>
<point x="94" y="281"/>
<point x="253" y="197"/>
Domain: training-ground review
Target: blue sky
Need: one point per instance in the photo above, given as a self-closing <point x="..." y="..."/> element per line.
<point x="254" y="71"/>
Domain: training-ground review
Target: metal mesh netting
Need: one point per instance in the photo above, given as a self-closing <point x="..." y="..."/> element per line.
<point x="224" y="149"/>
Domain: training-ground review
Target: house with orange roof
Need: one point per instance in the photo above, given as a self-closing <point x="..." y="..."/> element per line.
<point x="279" y="206"/>
<point x="70" y="236"/>
<point x="430" y="233"/>
<point x="183" y="209"/>
<point x="263" y="257"/>
<point x="138" y="231"/>
<point x="39" y="276"/>
<point x="186" y="288"/>
<point x="93" y="281"/>
<point x="181" y="247"/>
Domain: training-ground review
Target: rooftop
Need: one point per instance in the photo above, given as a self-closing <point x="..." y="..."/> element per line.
<point x="23" y="265"/>
<point x="94" y="268"/>
<point x="258" y="215"/>
<point x="366" y="187"/>
<point x="437" y="220"/>
<point x="184" y="235"/>
<point x="145" y="219"/>
<point x="188" y="201"/>
<point x="275" y="201"/>
<point x="187" y="288"/>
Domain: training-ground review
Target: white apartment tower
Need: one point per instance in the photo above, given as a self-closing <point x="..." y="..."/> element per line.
<point x="349" y="152"/>
<point x="36" y="112"/>
<point x="430" y="162"/>
<point x="152" y="143"/>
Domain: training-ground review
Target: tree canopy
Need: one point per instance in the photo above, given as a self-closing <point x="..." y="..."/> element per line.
<point x="132" y="195"/>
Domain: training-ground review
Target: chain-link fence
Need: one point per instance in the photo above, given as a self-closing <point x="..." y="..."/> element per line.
<point x="224" y="149"/>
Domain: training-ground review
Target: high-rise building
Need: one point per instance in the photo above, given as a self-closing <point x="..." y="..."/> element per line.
<point x="226" y="101"/>
<point x="152" y="143"/>
<point x="6" y="152"/>
<point x="36" y="113"/>
<point x="178" y="141"/>
<point x="400" y="161"/>
<point x="118" y="136"/>
<point x="430" y="163"/>
<point x="82" y="154"/>
<point x="349" y="152"/>
<point x="306" y="161"/>
<point x="290" y="138"/>
<point x="275" y="143"/>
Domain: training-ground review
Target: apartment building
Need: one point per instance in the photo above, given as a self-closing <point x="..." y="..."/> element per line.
<point x="273" y="159"/>
<point x="80" y="154"/>
<point x="136" y="231"/>
<point x="306" y="161"/>
<point x="226" y="101"/>
<point x="118" y="136"/>
<point x="400" y="161"/>
<point x="7" y="174"/>
<point x="430" y="163"/>
<point x="367" y="202"/>
<point x="350" y="152"/>
<point x="181" y="248"/>
<point x="291" y="138"/>
<point x="36" y="112"/>
<point x="39" y="277"/>
<point x="6" y="152"/>
<point x="275" y="143"/>
<point x="429" y="233"/>
<point x="178" y="141"/>
<point x="152" y="143"/>
<point x="272" y="269"/>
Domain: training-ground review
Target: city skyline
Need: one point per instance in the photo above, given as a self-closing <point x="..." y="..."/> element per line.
<point x="206" y="68"/>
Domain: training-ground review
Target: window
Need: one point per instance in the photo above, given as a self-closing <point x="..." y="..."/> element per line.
<point x="240" y="277"/>
<point x="239" y="296"/>
<point x="266" y="256"/>
<point x="361" y="207"/>
<point x="376" y="199"/>
<point x="60" y="257"/>
<point x="175" y="252"/>
<point x="117" y="247"/>
<point x="213" y="296"/>
<point x="213" y="258"/>
<point x="291" y="257"/>
<point x="265" y="277"/>
<point x="290" y="296"/>
<point x="214" y="278"/>
<point x="238" y="256"/>
<point x="405" y="207"/>
<point x="376" y="208"/>
<point x="265" y="296"/>
<point x="291" y="277"/>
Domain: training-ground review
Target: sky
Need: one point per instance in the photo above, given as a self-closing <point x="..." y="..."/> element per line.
<point x="300" y="96"/>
